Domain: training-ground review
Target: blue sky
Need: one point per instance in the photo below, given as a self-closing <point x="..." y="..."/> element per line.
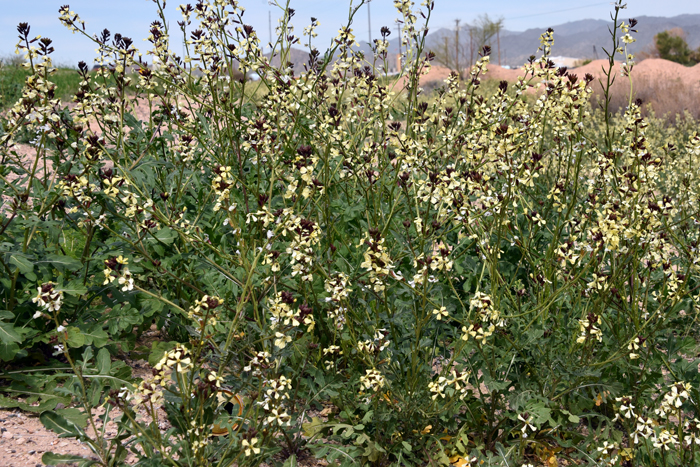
<point x="132" y="17"/>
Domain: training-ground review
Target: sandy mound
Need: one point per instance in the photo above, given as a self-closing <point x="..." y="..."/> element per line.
<point x="657" y="68"/>
<point x="653" y="69"/>
<point x="437" y="74"/>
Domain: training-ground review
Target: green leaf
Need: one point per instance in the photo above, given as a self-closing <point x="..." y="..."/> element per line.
<point x="75" y="337"/>
<point x="50" y="458"/>
<point x="8" y="333"/>
<point x="312" y="428"/>
<point x="166" y="235"/>
<point x="495" y="385"/>
<point x="104" y="362"/>
<point x="48" y="402"/>
<point x="88" y="353"/>
<point x="158" y="248"/>
<point x="120" y="370"/>
<point x="540" y="413"/>
<point x="8" y="351"/>
<point x="572" y="418"/>
<point x="371" y="452"/>
<point x="95" y="391"/>
<point x="75" y="416"/>
<point x="64" y="263"/>
<point x="75" y="288"/>
<point x="60" y="425"/>
<point x="96" y="336"/>
<point x="442" y="457"/>
<point x="6" y="315"/>
<point x="153" y="305"/>
<point x="8" y="403"/>
<point x="23" y="264"/>
<point x="345" y="455"/>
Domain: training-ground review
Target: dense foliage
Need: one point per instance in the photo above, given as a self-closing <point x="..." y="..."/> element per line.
<point x="344" y="267"/>
<point x="675" y="48"/>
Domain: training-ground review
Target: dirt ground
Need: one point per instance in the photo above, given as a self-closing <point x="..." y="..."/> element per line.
<point x="24" y="440"/>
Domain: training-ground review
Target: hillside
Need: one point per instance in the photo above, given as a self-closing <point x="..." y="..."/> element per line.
<point x="583" y="39"/>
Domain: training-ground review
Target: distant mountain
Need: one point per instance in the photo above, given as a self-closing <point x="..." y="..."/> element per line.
<point x="298" y="57"/>
<point x="577" y="39"/>
<point x="574" y="39"/>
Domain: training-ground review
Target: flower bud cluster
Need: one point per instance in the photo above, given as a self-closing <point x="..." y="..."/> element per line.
<point x="48" y="298"/>
<point x="286" y="317"/>
<point x="116" y="268"/>
<point x="589" y="329"/>
<point x="457" y="382"/>
<point x="372" y="380"/>
<point x="663" y="430"/>
<point x="275" y="392"/>
<point x="338" y="287"/>
<point x="221" y="184"/>
<point x="203" y="311"/>
<point x="376" y="260"/>
<point x="176" y="359"/>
